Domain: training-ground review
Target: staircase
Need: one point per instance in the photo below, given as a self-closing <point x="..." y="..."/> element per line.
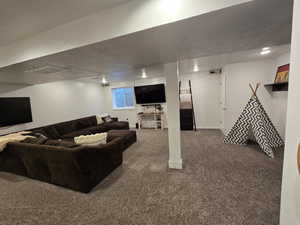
<point x="187" y="114"/>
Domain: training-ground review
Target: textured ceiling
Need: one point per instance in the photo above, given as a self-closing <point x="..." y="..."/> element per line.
<point x="20" y="19"/>
<point x="239" y="28"/>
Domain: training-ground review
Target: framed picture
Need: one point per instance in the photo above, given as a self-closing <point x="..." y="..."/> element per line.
<point x="282" y="74"/>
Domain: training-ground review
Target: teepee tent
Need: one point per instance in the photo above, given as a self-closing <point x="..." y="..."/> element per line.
<point x="255" y="119"/>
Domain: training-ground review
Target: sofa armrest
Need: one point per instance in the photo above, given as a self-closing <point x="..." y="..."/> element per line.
<point x="85" y="155"/>
<point x="79" y="168"/>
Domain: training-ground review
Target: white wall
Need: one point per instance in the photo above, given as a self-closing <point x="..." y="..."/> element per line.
<point x="206" y="94"/>
<point x="280" y="100"/>
<point x="128" y="114"/>
<point x="206" y="90"/>
<point x="56" y="102"/>
<point x="290" y="198"/>
<point x="237" y="91"/>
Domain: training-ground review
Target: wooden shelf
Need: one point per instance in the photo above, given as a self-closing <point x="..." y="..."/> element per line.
<point x="283" y="86"/>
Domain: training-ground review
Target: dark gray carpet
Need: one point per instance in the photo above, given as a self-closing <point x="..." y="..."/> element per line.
<point x="220" y="185"/>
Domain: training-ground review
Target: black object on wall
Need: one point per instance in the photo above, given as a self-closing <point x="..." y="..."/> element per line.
<point x="150" y="94"/>
<point x="15" y="111"/>
<point x="282" y="86"/>
<point x="187" y="112"/>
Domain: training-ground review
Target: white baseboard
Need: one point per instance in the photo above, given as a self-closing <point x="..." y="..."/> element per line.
<point x="209" y="128"/>
<point x="175" y="164"/>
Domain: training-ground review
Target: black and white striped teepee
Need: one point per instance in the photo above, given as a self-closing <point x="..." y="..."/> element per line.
<point x="254" y="118"/>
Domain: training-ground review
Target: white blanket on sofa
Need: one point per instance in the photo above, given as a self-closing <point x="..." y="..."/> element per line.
<point x="94" y="139"/>
<point x="11" y="138"/>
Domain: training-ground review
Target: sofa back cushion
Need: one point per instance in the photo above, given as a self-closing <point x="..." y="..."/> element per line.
<point x="56" y="131"/>
<point x="65" y="144"/>
<point x="36" y="140"/>
<point x="51" y="132"/>
<point x="85" y="122"/>
<point x="66" y="127"/>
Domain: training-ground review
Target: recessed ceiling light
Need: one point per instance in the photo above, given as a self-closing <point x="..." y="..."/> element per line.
<point x="104" y="80"/>
<point x="144" y="74"/>
<point x="196" y="68"/>
<point x="265" y="52"/>
<point x="266" y="48"/>
<point x="170" y="6"/>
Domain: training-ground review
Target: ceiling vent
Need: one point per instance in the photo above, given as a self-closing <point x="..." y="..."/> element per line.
<point x="48" y="69"/>
<point x="103" y="84"/>
<point x="216" y="71"/>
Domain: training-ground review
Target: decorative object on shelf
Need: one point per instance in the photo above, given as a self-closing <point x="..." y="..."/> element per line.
<point x="281" y="82"/>
<point x="282" y="74"/>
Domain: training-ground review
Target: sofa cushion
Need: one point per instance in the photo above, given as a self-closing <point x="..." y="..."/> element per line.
<point x="85" y="122"/>
<point x="77" y="133"/>
<point x="128" y="137"/>
<point x="107" y="118"/>
<point x="51" y="132"/>
<point x="38" y="133"/>
<point x="120" y="125"/>
<point x="38" y="140"/>
<point x="65" y="144"/>
<point x="97" y="129"/>
<point x="65" y="128"/>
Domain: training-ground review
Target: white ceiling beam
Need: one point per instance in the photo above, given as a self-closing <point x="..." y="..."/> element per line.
<point x="124" y="19"/>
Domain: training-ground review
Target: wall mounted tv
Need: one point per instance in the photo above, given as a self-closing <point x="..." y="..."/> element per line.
<point x="150" y="94"/>
<point x="15" y="111"/>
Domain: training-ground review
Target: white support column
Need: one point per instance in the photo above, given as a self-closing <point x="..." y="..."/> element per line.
<point x="173" y="116"/>
<point x="290" y="198"/>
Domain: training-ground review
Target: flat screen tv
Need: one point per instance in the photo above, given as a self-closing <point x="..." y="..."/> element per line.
<point x="150" y="94"/>
<point x="15" y="111"/>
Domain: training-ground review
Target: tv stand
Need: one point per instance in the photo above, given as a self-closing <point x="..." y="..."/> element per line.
<point x="152" y="114"/>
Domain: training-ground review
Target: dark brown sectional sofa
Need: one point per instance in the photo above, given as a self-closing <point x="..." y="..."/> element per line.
<point x="58" y="160"/>
<point x="84" y="126"/>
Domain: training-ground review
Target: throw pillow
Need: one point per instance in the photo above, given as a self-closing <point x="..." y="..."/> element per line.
<point x="107" y="119"/>
<point x="38" y="133"/>
<point x="52" y="132"/>
<point x="37" y="140"/>
<point x="99" y="120"/>
<point x="85" y="123"/>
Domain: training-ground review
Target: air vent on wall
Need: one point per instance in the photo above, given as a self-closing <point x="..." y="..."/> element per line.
<point x="216" y="71"/>
<point x="48" y="69"/>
